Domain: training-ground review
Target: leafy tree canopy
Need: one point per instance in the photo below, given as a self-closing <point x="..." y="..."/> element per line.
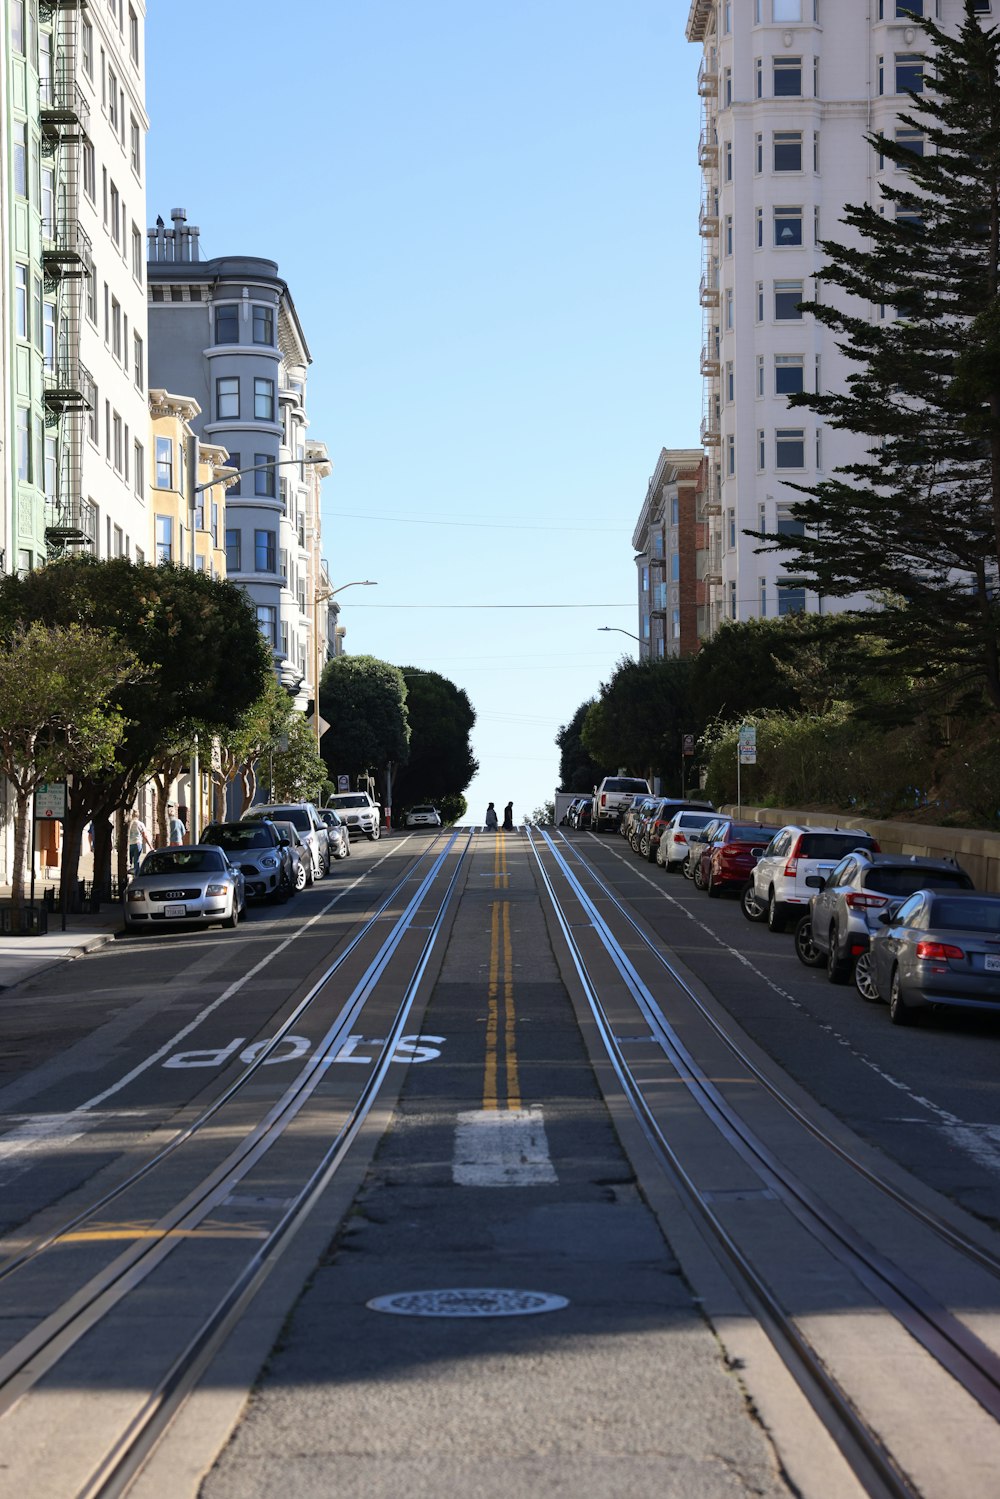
<point x="640" y="717"/>
<point x="441" y="763"/>
<point x="364" y="701"/>
<point x="578" y="770"/>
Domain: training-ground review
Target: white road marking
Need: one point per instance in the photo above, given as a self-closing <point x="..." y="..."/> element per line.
<point x="501" y="1148"/>
<point x="41" y="1135"/>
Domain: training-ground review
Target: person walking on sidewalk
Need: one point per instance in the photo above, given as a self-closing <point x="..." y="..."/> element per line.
<point x="138" y="839"/>
<point x="492" y="821"/>
<point x="176" y="830"/>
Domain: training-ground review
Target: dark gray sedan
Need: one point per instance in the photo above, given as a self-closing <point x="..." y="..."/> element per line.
<point x="938" y="948"/>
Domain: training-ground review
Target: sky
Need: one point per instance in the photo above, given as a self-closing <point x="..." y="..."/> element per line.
<point x="486" y="212"/>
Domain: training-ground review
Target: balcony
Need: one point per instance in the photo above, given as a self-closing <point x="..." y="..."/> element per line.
<point x="711" y="436"/>
<point x="66" y="249"/>
<point x="708" y="79"/>
<point x="70" y="523"/>
<point x="708" y="149"/>
<point x="68" y="384"/>
<point x="63" y="107"/>
<point x="708" y="290"/>
<point x="711" y="365"/>
<point x="708" y="223"/>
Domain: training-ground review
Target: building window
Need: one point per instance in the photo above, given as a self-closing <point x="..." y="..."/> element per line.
<point x="133" y="36"/>
<point x="263" y="400"/>
<point x="135" y="146"/>
<point x="89" y="171"/>
<point x="791" y="596"/>
<point x="787" y="227"/>
<point x="116" y="215"/>
<point x="227" y="397"/>
<point x="263" y="324"/>
<point x="762" y="597"/>
<point x="758" y="153"/>
<point x="227" y="323"/>
<point x="139" y="463"/>
<point x="760" y="301"/>
<point x="758" y="76"/>
<point x="264" y="553"/>
<point x="729" y="306"/>
<point x="116" y="328"/>
<point x="790" y="447"/>
<point x="732" y="599"/>
<point x="760" y="374"/>
<point x="787" y="296"/>
<point x="787" y="150"/>
<point x="789" y="376"/>
<point x="91" y="283"/>
<point x="164" y="537"/>
<point x="113" y="99"/>
<point x="164" y="463"/>
<point x="233" y="550"/>
<point x="117" y="449"/>
<point x="23" y="444"/>
<point x="787" y="10"/>
<point x="909" y="73"/>
<point x="729" y="234"/>
<point x="758" y="234"/>
<point x="87" y="48"/>
<point x="19" y="133"/>
<point x="138" y="362"/>
<point x="787" y="77"/>
<point x="761" y="450"/>
<point x="815" y="150"/>
<point x="730" y="454"/>
<point x="730" y="382"/>
<point x="731" y="529"/>
<point x="910" y="140"/>
<point x="263" y="479"/>
<point x="267" y="623"/>
<point x="21" y="300"/>
<point x="727" y="156"/>
<point x="727" y="87"/>
<point x="51" y="475"/>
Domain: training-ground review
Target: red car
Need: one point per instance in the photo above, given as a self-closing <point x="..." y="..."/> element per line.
<point x="727" y="861"/>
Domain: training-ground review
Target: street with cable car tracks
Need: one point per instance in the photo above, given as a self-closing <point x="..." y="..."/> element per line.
<point x="132" y="1252"/>
<point x="209" y="1210"/>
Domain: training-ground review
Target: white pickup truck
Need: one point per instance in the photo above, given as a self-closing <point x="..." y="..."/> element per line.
<point x="358" y="812"/>
<point x="613" y="795"/>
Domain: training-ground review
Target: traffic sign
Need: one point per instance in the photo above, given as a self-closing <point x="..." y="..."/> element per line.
<point x="748" y="744"/>
<point x="50" y="801"/>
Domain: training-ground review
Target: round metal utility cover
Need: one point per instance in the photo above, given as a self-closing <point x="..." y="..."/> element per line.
<point x="468" y="1301"/>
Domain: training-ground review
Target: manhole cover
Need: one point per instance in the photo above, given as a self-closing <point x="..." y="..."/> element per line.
<point x="468" y="1302"/>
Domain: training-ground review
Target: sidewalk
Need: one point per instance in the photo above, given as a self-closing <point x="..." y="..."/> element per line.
<point x="24" y="957"/>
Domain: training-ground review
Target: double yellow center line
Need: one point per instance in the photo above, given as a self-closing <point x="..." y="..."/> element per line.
<point x="500" y="1018"/>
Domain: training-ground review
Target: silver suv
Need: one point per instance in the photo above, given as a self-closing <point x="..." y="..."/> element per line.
<point x="837" y="929"/>
<point x="777" y="888"/>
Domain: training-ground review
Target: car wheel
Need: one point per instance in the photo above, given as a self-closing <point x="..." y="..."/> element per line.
<point x="805" y="948"/>
<point x="698" y="877"/>
<point x="838" y="969"/>
<point x="301" y="878"/>
<point x="899" y="1011"/>
<point x="232" y="921"/>
<point x="864" y="978"/>
<point x="713" y="889"/>
<point x="687" y="870"/>
<point x="374" y="835"/>
<point x="751" y="905"/>
<point x="644" y="846"/>
<point x="344" y="848"/>
<point x="327" y="861"/>
<point x="775" y="914"/>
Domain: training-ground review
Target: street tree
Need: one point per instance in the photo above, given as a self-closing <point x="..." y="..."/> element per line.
<point x="204" y="663"/>
<point x="640" y="717"/>
<point x="364" y="701"/>
<point x="240" y="749"/>
<point x="57" y="716"/>
<point x="297" y="771"/>
<point x="578" y="770"/>
<point x="915" y="522"/>
<point x="440" y="762"/>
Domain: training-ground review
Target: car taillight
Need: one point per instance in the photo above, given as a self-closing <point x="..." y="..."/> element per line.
<point x="679" y="838"/>
<point x="604" y="798"/>
<point x="858" y="901"/>
<point x="938" y="950"/>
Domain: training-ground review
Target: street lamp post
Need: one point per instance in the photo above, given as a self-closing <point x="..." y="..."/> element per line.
<point x="617" y="631"/>
<point x="321" y="598"/>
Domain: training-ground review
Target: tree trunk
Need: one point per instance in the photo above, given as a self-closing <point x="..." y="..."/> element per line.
<point x="21" y="851"/>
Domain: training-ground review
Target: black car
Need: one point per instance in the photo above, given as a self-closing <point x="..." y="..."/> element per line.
<point x="260" y="851"/>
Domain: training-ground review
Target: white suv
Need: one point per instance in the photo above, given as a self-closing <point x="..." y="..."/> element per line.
<point x="357" y="810"/>
<point x="777" y="888"/>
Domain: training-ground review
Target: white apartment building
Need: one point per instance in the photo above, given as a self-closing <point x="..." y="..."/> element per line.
<point x="790" y="89"/>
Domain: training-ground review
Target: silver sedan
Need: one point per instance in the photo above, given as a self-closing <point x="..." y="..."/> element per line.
<point x="192" y="886"/>
<point x="938" y="948"/>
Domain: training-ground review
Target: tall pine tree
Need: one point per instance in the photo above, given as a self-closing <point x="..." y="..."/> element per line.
<point x="915" y="524"/>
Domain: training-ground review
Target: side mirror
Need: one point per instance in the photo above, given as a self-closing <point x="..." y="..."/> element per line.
<point x="886" y="918"/>
<point x="757" y="853"/>
<point x="284" y="842"/>
<point x="815" y="882"/>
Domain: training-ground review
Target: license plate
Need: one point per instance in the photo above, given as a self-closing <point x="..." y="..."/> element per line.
<point x="170" y="911"/>
<point x="991" y="964"/>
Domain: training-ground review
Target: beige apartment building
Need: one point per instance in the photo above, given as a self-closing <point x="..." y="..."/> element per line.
<point x="789" y="90"/>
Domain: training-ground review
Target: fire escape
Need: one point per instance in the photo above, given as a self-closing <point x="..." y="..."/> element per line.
<point x="711" y="368"/>
<point x="66" y="257"/>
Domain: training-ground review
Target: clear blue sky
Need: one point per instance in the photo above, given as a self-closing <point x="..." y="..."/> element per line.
<point x="487" y="213"/>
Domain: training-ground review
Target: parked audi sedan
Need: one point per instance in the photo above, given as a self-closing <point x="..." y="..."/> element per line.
<point x="939" y="947"/>
<point x="193" y="886"/>
<point x="836" y="931"/>
<point x="727" y="861"/>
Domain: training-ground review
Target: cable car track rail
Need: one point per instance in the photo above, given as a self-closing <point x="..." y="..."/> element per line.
<point x="955" y="1346"/>
<point x="41" y="1349"/>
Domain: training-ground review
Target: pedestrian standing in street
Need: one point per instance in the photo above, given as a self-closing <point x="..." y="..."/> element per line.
<point x="492" y="821"/>
<point x="175" y="828"/>
<point x="508" y="818"/>
<point x="138" y="839"/>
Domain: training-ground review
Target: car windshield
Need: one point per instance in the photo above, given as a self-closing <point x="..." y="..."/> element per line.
<point x="981" y="915"/>
<point x="297" y="815"/>
<point x="182" y="861"/>
<point x="423" y="809"/>
<point x="908" y="879"/>
<point x="831" y="845"/>
<point x="245" y="835"/>
<point x="693" y="819"/>
<point x="352" y="801"/>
